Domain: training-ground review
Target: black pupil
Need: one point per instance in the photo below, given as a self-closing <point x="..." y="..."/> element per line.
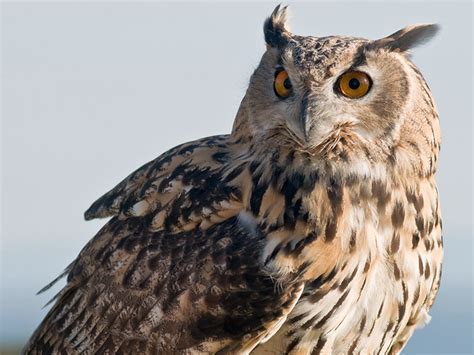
<point x="287" y="84"/>
<point x="354" y="84"/>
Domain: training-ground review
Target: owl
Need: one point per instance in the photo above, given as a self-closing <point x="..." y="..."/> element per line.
<point x="312" y="228"/>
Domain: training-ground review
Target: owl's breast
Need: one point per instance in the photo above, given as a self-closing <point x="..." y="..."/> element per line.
<point x="387" y="252"/>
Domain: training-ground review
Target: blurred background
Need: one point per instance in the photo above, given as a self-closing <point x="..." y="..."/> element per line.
<point x="91" y="91"/>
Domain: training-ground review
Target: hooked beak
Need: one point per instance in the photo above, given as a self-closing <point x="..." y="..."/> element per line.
<point x="305" y="117"/>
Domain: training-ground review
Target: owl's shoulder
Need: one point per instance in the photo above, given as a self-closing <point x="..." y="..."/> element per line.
<point x="172" y="176"/>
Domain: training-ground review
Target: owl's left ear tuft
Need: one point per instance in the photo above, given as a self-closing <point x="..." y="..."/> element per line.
<point x="275" y="27"/>
<point x="407" y="38"/>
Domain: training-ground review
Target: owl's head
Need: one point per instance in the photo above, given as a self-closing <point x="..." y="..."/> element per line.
<point x="343" y="99"/>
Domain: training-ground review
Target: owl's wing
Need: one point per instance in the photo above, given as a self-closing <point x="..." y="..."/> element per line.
<point x="181" y="178"/>
<point x="183" y="281"/>
<point x="182" y="188"/>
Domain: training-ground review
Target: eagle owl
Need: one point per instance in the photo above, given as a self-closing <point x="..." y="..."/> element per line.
<point x="312" y="228"/>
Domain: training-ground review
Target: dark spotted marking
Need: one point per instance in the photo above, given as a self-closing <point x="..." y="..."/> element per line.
<point x="429" y="244"/>
<point x="335" y="195"/>
<point x="290" y="158"/>
<point x="427" y="271"/>
<point x="314" y="297"/>
<point x="291" y="186"/>
<point x="420" y="224"/>
<point x="323" y="320"/>
<point x="362" y="323"/>
<point x="254" y="166"/>
<point x="362" y="289"/>
<point x="107" y="347"/>
<point x="395" y="245"/>
<point x="293" y="344"/>
<point x="343" y="154"/>
<point x="308" y="324"/>
<point x="347" y="280"/>
<point x="319" y="346"/>
<point x="290" y="215"/>
<point x="297" y="318"/>
<point x="416" y="200"/>
<point x="398" y="215"/>
<point x="390" y="326"/>
<point x="405" y="292"/>
<point x="317" y="296"/>
<point x="379" y="191"/>
<point x="180" y="170"/>
<point x="392" y="157"/>
<point x="351" y="180"/>
<point x="154" y="261"/>
<point x="415" y="239"/>
<point x="401" y="311"/>
<point x="304" y="217"/>
<point x="380" y="310"/>
<point x="416" y="296"/>
<point x="220" y="157"/>
<point x="276" y="173"/>
<point x="352" y="241"/>
<point x="273" y="254"/>
<point x="318" y="282"/>
<point x="439" y="242"/>
<point x="364" y="192"/>
<point x="311" y="180"/>
<point x="420" y="265"/>
<point x="296" y="208"/>
<point x="258" y="191"/>
<point x="396" y="272"/>
<point x="234" y="173"/>
<point x="311" y="237"/>
<point x="360" y="57"/>
<point x="330" y="230"/>
<point x="175" y="212"/>
<point x="367" y="265"/>
<point x="430" y="227"/>
<point x="353" y="345"/>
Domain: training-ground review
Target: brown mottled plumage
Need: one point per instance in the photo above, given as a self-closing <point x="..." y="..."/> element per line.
<point x="314" y="227"/>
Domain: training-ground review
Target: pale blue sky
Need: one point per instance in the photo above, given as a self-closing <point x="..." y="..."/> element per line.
<point x="92" y="91"/>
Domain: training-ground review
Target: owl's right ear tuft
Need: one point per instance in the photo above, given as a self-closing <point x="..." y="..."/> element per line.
<point x="407" y="38"/>
<point x="275" y="28"/>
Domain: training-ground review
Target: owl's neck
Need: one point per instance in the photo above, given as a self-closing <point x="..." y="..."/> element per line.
<point x="307" y="212"/>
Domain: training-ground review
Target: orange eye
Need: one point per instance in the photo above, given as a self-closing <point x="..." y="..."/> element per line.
<point x="282" y="84"/>
<point x="354" y="84"/>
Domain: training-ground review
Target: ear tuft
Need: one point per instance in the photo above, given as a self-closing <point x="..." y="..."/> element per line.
<point x="275" y="27"/>
<point x="407" y="38"/>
